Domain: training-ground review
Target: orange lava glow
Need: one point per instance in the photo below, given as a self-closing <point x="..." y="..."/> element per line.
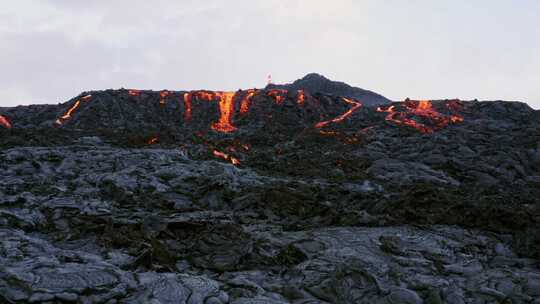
<point x="187" y="106"/>
<point x="301" y="97"/>
<point x="355" y="106"/>
<point x="153" y="141"/>
<point x="67" y="115"/>
<point x="70" y="111"/>
<point x="246" y="101"/>
<point x="328" y="133"/>
<point x="424" y="110"/>
<point x="134" y="92"/>
<point x="226" y="157"/>
<point x="278" y="95"/>
<point x="5" y="122"/>
<point x="162" y="96"/>
<point x="226" y="109"/>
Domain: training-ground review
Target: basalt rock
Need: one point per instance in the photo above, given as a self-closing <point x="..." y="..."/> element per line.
<point x="121" y="199"/>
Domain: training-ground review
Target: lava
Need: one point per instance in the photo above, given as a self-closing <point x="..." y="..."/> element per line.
<point x="187" y="106"/>
<point x="162" y="96"/>
<point x="226" y="109"/>
<point x="301" y="97"/>
<point x="134" y="92"/>
<point x="70" y="111"/>
<point x="277" y="94"/>
<point x="246" y="101"/>
<point x="355" y="106"/>
<point x="153" y="140"/>
<point x="418" y="114"/>
<point x="226" y="157"/>
<point x="424" y="110"/>
<point x="5" y="122"/>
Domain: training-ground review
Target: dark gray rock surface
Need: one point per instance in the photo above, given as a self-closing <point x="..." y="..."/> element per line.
<point x="315" y="83"/>
<point x="365" y="210"/>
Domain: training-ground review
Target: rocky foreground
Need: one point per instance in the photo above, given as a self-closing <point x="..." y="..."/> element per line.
<point x="126" y="201"/>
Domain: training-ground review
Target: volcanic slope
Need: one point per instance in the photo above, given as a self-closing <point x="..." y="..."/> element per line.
<point x="268" y="196"/>
<point x="316" y="83"/>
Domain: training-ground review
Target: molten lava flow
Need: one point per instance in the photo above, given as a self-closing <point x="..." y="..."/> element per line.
<point x="424" y="110"/>
<point x="187" y="106"/>
<point x="246" y="101"/>
<point x="391" y="110"/>
<point x="134" y="92"/>
<point x="226" y="157"/>
<point x="162" y="96"/>
<point x="226" y="109"/>
<point x="153" y="141"/>
<point x="301" y="97"/>
<point x="70" y="111"/>
<point x="328" y="133"/>
<point x="277" y="94"/>
<point x="5" y="122"/>
<point x="455" y="106"/>
<point x="67" y="116"/>
<point x="356" y="106"/>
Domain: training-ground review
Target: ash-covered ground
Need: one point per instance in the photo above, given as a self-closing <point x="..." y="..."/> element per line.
<point x="268" y="196"/>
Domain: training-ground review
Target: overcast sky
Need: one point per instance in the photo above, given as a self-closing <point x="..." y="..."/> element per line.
<point x="487" y="49"/>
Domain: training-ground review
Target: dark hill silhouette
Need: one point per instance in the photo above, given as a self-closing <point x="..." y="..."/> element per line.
<point x="316" y="83"/>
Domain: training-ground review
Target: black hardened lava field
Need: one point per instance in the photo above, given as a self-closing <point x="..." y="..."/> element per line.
<point x="312" y="192"/>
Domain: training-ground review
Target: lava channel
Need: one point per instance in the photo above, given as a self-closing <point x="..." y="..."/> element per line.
<point x="355" y="106"/>
<point x="226" y="157"/>
<point x="70" y="111"/>
<point x="423" y="109"/>
<point x="5" y="122"/>
<point x="246" y="101"/>
<point x="226" y="108"/>
<point x="278" y="95"/>
<point x="301" y="97"/>
<point x="163" y="96"/>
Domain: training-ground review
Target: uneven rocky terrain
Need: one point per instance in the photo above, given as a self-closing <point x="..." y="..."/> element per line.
<point x="268" y="196"/>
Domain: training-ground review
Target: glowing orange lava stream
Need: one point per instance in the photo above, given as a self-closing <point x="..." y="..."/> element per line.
<point x="5" y="122"/>
<point x="226" y="157"/>
<point x="70" y="111"/>
<point x="423" y="109"/>
<point x="134" y="92"/>
<point x="187" y="107"/>
<point x="226" y="109"/>
<point x="246" y="101"/>
<point x="153" y="141"/>
<point x="301" y="99"/>
<point x="278" y="95"/>
<point x="356" y="106"/>
<point x="162" y="96"/>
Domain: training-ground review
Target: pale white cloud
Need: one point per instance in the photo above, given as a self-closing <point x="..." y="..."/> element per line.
<point x="52" y="50"/>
